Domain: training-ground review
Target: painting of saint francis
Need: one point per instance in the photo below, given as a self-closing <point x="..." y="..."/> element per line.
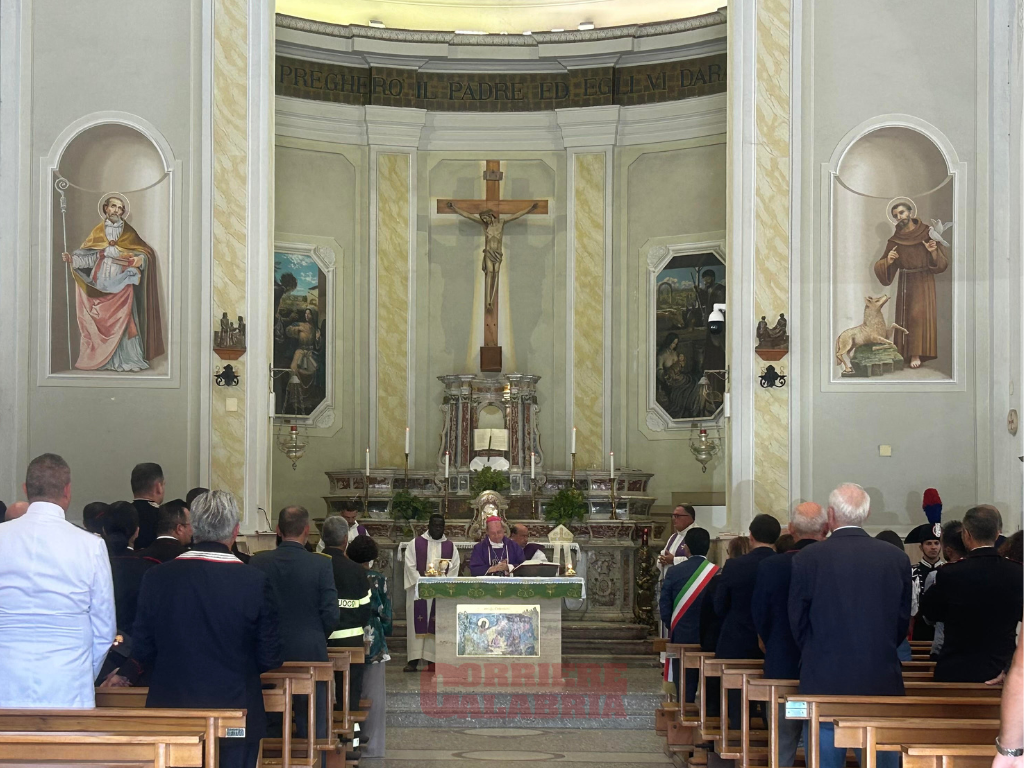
<point x="913" y="254"/>
<point x="116" y="295"/>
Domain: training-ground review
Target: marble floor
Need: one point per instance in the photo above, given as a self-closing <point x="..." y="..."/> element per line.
<point x="513" y="747"/>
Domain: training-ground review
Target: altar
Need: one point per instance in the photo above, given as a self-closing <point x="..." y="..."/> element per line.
<point x="500" y="633"/>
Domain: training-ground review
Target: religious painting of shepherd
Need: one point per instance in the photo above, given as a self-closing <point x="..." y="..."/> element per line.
<point x="300" y="333"/>
<point x="687" y="354"/>
<point x="498" y="630"/>
<point x="892" y="253"/>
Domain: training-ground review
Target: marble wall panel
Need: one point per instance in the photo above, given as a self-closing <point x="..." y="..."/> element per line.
<point x="771" y="279"/>
<point x="393" y="244"/>
<point x="588" y="307"/>
<point x="230" y="157"/>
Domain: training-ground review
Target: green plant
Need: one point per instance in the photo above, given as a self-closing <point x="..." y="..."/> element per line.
<point x="565" y="506"/>
<point x="488" y="479"/>
<point x="405" y="506"/>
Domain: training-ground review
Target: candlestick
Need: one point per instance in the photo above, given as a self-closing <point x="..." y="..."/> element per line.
<point x="406" y="441"/>
<point x="573" y="449"/>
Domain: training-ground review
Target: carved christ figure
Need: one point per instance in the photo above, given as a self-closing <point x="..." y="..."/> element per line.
<point x="494" y="226"/>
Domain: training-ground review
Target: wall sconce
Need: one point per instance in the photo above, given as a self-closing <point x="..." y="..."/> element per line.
<point x="704" y="448"/>
<point x="292" y="443"/>
<point x="771" y="378"/>
<point x="227" y="377"/>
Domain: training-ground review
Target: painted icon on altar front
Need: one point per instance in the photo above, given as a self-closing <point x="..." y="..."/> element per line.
<point x="301" y="341"/>
<point x="688" y="359"/>
<point x="497" y="630"/>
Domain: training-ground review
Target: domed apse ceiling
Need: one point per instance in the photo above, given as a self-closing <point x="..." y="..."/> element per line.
<point x="495" y="16"/>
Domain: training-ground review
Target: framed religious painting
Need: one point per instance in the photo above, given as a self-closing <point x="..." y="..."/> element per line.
<point x="895" y="235"/>
<point x="685" y="360"/>
<point x="497" y="630"/>
<point x="304" y="333"/>
<point x="109" y="317"/>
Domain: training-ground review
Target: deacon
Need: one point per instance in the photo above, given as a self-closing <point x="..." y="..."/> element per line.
<point x="350" y="512"/>
<point x="425" y="550"/>
<point x="496" y="554"/>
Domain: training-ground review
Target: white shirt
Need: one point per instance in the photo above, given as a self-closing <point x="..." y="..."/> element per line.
<point x="57" y="618"/>
<point x="412" y="576"/>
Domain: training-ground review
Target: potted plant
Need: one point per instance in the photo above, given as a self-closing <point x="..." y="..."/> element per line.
<point x="406" y="507"/>
<point x="488" y="479"/>
<point x="566" y="506"/>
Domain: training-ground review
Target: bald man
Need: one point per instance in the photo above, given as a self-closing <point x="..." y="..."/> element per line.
<point x="770" y="607"/>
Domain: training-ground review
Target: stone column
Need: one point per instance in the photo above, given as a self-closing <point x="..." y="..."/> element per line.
<point x="589" y="136"/>
<point x="393" y="136"/>
<point x="241" y="221"/>
<point x="759" y="249"/>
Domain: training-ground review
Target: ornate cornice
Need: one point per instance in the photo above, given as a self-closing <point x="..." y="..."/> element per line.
<point x="350" y="31"/>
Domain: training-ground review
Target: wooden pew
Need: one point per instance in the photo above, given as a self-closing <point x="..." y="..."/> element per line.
<point x="121" y="698"/>
<point x="824" y="708"/>
<point x="172" y="750"/>
<point x="891" y="734"/>
<point x="213" y="723"/>
<point x="949" y="756"/>
<point x="712" y="667"/>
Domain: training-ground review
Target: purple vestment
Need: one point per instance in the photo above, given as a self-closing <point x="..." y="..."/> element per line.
<point x="482" y="559"/>
<point x="422" y="620"/>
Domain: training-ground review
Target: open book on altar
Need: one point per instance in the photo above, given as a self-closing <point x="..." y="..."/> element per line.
<point x="535" y="569"/>
<point x="490" y="439"/>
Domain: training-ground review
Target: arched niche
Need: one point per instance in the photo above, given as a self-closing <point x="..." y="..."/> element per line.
<point x="100" y="155"/>
<point x="874" y="167"/>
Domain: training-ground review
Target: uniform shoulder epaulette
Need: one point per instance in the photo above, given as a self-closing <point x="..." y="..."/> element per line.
<point x="324" y="554"/>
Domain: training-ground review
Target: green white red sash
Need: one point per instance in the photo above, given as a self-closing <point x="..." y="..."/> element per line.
<point x="692" y="589"/>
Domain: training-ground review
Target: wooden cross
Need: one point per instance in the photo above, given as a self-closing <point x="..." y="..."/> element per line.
<point x="501" y="212"/>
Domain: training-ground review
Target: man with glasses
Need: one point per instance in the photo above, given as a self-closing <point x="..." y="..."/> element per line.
<point x="683" y="517"/>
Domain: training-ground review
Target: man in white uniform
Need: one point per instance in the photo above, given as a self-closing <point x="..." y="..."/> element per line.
<point x="426" y="549"/>
<point x="56" y="598"/>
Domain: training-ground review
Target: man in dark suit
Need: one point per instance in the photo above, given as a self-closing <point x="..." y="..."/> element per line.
<point x="207" y="628"/>
<point x="120" y="526"/>
<point x="770" y="610"/>
<point x="173" y="533"/>
<point x="979" y="600"/>
<point x="148" y="493"/>
<point x="738" y="639"/>
<point x="849" y="609"/>
<point x="682" y="596"/>
<point x="307" y="601"/>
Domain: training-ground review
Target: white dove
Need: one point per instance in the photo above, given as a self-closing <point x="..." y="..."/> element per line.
<point x="936" y="230"/>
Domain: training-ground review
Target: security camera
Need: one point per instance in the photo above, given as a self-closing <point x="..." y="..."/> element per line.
<point x="716" y="320"/>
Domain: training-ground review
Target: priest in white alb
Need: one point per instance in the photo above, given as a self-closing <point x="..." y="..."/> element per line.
<point x="426" y="550"/>
<point x="683" y="516"/>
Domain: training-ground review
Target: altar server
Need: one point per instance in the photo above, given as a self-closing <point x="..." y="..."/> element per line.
<point x="56" y="598"/>
<point x="427" y="549"/>
<point x="496" y="554"/>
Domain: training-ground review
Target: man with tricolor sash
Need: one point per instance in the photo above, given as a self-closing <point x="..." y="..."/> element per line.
<point x="682" y="595"/>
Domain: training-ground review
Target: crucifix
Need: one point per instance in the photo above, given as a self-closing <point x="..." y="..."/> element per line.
<point x="492" y="213"/>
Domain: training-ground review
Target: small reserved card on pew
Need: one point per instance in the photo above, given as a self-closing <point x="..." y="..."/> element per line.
<point x="796" y="710"/>
<point x="234" y="733"/>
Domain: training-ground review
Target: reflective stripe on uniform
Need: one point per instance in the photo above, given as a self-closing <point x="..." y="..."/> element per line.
<point x="354" y="603"/>
<point x="340" y="633"/>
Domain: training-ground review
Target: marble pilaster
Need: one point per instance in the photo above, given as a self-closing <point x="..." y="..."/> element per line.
<point x="588" y="306"/>
<point x="772" y="242"/>
<point x="394" y="188"/>
<point x="230" y="181"/>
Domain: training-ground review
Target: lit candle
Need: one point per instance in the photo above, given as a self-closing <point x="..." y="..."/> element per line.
<point x="573" y="440"/>
<point x="533" y="468"/>
<point x="446" y="465"/>
<point x="367" y="462"/>
<point x="406" y="441"/>
<point x="612" y="457"/>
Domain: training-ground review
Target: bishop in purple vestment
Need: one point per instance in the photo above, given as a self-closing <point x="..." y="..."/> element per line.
<point x="496" y="553"/>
